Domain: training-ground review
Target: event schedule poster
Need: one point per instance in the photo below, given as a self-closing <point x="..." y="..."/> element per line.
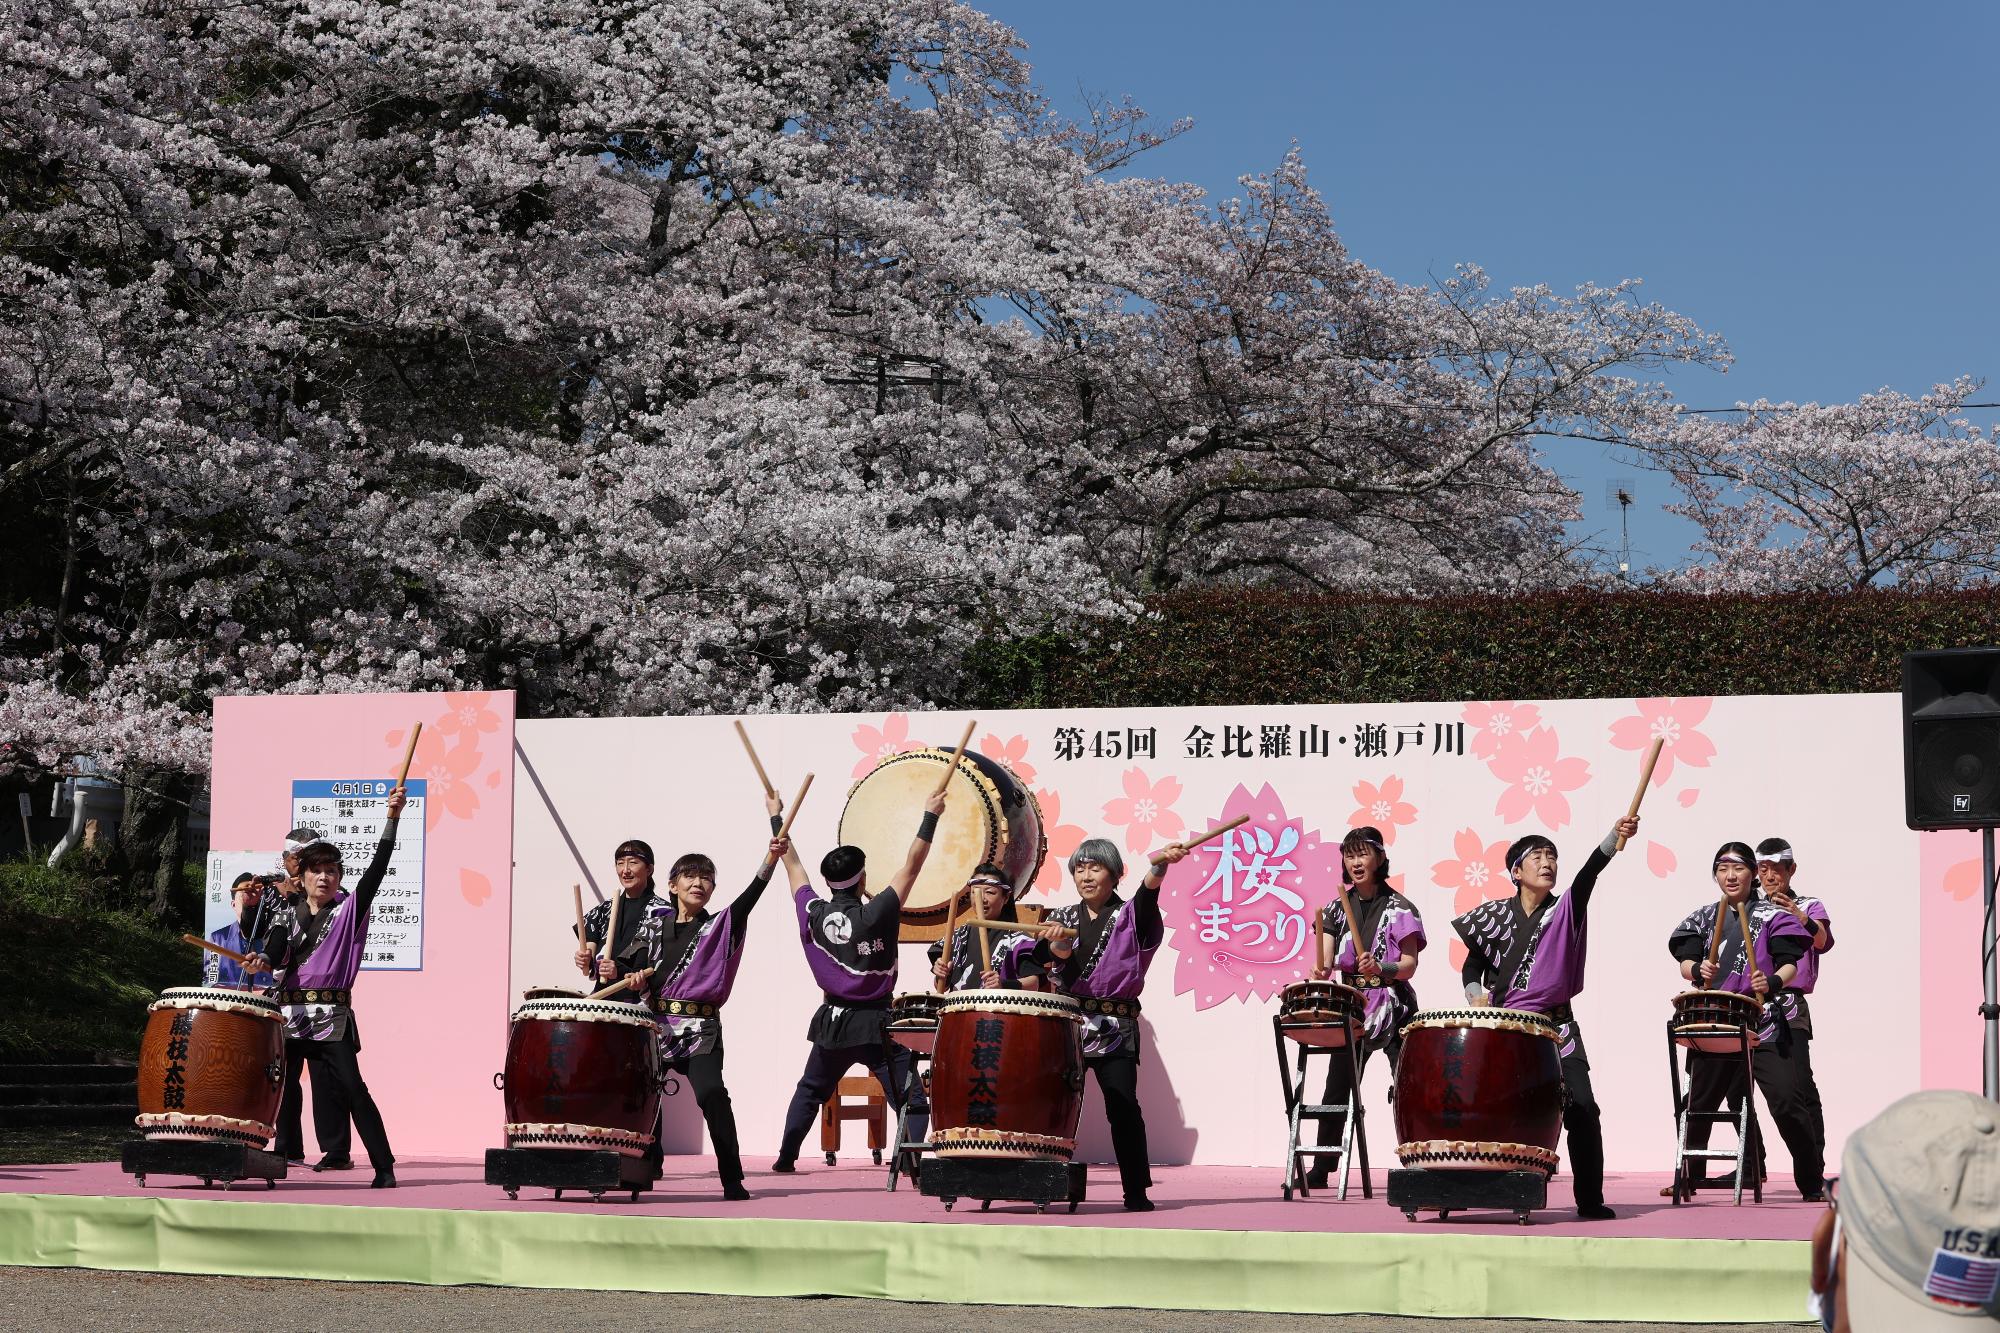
<point x="351" y="813"/>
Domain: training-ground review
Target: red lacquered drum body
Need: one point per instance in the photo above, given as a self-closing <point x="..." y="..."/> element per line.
<point x="1479" y="1090"/>
<point x="1007" y="1075"/>
<point x="211" y="1066"/>
<point x="582" y="1074"/>
<point x="1716" y="1021"/>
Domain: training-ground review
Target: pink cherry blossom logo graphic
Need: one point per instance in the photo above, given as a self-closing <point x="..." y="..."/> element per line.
<point x="1476" y="872"/>
<point x="1538" y="779"/>
<point x="1012" y="752"/>
<point x="1498" y="725"/>
<point x="469" y="715"/>
<point x="1146" y="810"/>
<point x="1674" y="723"/>
<point x="879" y="743"/>
<point x="1239" y="909"/>
<point x="447" y="773"/>
<point x="1382" y="806"/>
<point x="1063" y="840"/>
<point x="1962" y="880"/>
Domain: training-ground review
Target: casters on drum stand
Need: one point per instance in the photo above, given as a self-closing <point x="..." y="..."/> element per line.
<point x="569" y="1171"/>
<point x="141" y="1179"/>
<point x="558" y="1196"/>
<point x="877" y="1153"/>
<point x="985" y="1204"/>
<point x="948" y="1203"/>
<point x="831" y="1159"/>
<point x="513" y="1194"/>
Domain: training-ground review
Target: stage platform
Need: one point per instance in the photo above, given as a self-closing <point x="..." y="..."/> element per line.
<point x="1221" y="1239"/>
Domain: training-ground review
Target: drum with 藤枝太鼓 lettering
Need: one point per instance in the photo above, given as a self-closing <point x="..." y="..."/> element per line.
<point x="211" y="1066"/>
<point x="582" y="1074"/>
<point x="1479" y="1090"/>
<point x="1007" y="1075"/>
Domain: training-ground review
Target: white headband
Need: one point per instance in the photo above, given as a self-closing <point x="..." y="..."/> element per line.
<point x="836" y="886"/>
<point x="1783" y="856"/>
<point x="1730" y="856"/>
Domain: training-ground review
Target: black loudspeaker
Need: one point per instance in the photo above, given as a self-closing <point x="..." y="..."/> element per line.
<point x="1951" y="738"/>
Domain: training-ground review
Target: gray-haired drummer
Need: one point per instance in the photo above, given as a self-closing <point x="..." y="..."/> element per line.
<point x="850" y="939"/>
<point x="1104" y="965"/>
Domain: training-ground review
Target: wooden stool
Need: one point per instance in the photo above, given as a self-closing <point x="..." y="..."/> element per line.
<point x="872" y="1106"/>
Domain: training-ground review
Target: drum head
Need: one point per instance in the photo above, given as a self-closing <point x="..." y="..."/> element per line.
<point x="882" y="814"/>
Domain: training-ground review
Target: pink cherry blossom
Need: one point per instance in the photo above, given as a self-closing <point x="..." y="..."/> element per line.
<point x="446" y="773"/>
<point x="1477" y="871"/>
<point x="1146" y="810"/>
<point x="1012" y="752"/>
<point x="1672" y="722"/>
<point x="1538" y="779"/>
<point x="1961" y="881"/>
<point x="1660" y="859"/>
<point x="1498" y="724"/>
<point x="879" y="743"/>
<point x="1063" y="840"/>
<point x="1383" y="807"/>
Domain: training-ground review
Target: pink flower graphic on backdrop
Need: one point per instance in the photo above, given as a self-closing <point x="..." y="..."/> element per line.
<point x="878" y="743"/>
<point x="1383" y="806"/>
<point x="1240" y="908"/>
<point x="1013" y="753"/>
<point x="1962" y="880"/>
<point x="1146" y="809"/>
<point x="1063" y="839"/>
<point x="1537" y="779"/>
<point x="446" y="773"/>
<point x="1673" y="722"/>
<point x="1496" y="725"/>
<point x="1477" y="872"/>
<point x="468" y="716"/>
<point x="1660" y="859"/>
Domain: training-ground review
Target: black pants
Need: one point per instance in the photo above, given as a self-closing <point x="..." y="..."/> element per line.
<point x="331" y="1126"/>
<point x="1118" y="1079"/>
<point x="1336" y="1090"/>
<point x="1583" y="1127"/>
<point x="826" y="1065"/>
<point x="336" y="1077"/>
<point x="1786" y="1080"/>
<point x="704" y="1076"/>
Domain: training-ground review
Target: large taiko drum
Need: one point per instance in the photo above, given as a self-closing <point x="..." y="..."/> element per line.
<point x="582" y="1074"/>
<point x="211" y="1066"/>
<point x="993" y="817"/>
<point x="1479" y="1090"/>
<point x="1716" y="1022"/>
<point x="1007" y="1075"/>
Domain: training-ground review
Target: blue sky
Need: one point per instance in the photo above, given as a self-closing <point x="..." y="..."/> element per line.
<point x="1820" y="183"/>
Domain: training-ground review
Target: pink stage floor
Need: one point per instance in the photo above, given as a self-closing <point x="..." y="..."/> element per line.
<point x="1188" y="1198"/>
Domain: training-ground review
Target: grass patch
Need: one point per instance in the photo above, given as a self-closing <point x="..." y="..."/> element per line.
<point x="35" y="1145"/>
<point x="79" y="974"/>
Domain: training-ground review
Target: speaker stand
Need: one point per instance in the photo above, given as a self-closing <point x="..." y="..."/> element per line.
<point x="1990" y="1011"/>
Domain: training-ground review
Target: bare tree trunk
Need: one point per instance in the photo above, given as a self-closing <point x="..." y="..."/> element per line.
<point x="153" y="837"/>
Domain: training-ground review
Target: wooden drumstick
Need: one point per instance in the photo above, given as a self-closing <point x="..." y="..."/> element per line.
<point x="755" y="762"/>
<point x="950" y="938"/>
<point x="210" y="945"/>
<point x="1645" y="780"/>
<point x="1749" y="949"/>
<point x="611" y="926"/>
<point x="785" y="829"/>
<point x="1209" y="836"/>
<point x="1319" y="940"/>
<point x="1714" y="939"/>
<point x="985" y="949"/>
<point x="576" y="892"/>
<point x="409" y="753"/>
<point x="630" y="981"/>
<point x="987" y="923"/>
<point x="1353" y="922"/>
<point x="956" y="755"/>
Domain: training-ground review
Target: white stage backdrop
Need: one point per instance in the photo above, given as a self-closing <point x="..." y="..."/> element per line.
<point x="1449" y="784"/>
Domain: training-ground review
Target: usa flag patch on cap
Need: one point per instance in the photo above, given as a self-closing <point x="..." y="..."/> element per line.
<point x="1963" y="1279"/>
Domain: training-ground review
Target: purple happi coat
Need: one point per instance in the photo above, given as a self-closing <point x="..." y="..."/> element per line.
<point x="1777" y="938"/>
<point x="850" y="944"/>
<point x="318" y="952"/>
<point x="1112" y="966"/>
<point x="1398" y="934"/>
<point x="1535" y="961"/>
<point x="1807" y="975"/>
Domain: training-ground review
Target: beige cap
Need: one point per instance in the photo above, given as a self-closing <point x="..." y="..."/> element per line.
<point x="1920" y="1207"/>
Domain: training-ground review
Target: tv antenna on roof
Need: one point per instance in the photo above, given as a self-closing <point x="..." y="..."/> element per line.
<point x="1619" y="491"/>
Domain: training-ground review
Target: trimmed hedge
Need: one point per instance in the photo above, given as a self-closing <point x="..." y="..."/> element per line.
<point x="1253" y="646"/>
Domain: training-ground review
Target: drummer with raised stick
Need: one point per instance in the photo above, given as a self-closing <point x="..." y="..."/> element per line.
<point x="691" y="955"/>
<point x="608" y="945"/>
<point x="316" y="951"/>
<point x="1366" y="909"/>
<point x="1098" y="950"/>
<point x="1004" y="957"/>
<point x="1526" y="951"/>
<point x="850" y="939"/>
<point x="1756" y="954"/>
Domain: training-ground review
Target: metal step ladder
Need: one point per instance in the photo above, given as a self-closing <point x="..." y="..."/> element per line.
<point x="1309" y="1038"/>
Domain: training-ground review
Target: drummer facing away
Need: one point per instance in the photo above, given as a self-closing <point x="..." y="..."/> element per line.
<point x="850" y="939"/>
<point x="1527" y="952"/>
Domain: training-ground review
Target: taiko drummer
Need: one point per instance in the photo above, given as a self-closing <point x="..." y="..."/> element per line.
<point x="1002" y="960"/>
<point x="1526" y="951"/>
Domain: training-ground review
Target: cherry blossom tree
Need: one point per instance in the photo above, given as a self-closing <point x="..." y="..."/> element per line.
<point x="1887" y="489"/>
